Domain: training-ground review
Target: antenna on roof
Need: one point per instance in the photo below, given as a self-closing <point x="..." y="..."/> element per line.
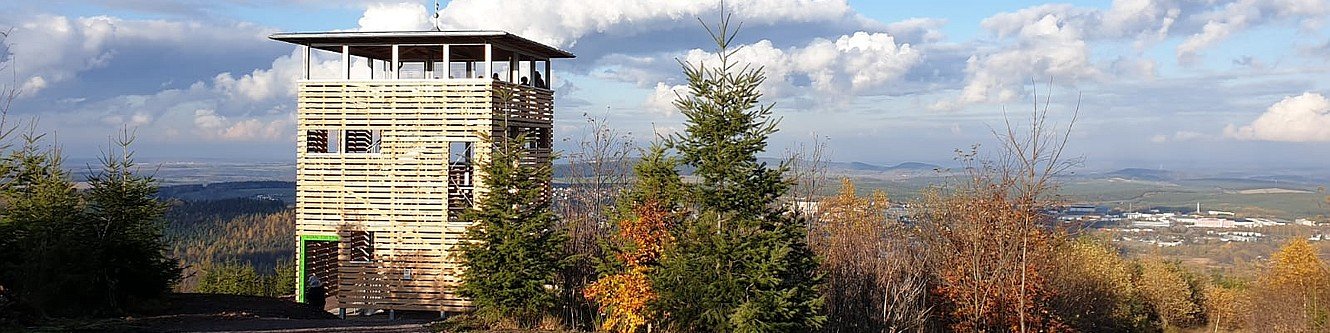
<point x="436" y="16"/>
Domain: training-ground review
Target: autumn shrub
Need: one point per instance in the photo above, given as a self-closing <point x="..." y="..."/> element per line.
<point x="1227" y="307"/>
<point x="991" y="271"/>
<point x="597" y="171"/>
<point x="873" y="281"/>
<point x="1293" y="294"/>
<point x="1170" y="293"/>
<point x="1093" y="288"/>
<point x="988" y="237"/>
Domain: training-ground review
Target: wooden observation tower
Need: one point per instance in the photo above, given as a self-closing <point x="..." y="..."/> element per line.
<point x="387" y="141"/>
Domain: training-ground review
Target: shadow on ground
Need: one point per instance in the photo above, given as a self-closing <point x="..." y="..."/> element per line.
<point x="234" y="313"/>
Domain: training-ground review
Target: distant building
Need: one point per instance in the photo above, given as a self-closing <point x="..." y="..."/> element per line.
<point x="806" y="207"/>
<point x="1081" y="210"/>
<point x="1265" y="222"/>
<point x="1151" y="224"/>
<point x="1210" y="222"/>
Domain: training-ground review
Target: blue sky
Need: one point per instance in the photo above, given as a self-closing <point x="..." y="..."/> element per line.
<point x="1174" y="83"/>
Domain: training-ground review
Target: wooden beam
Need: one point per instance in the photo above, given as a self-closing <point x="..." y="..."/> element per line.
<point x="514" y="67"/>
<point x="489" y="60"/>
<point x="447" y="63"/>
<point x="304" y="52"/>
<point x="397" y="65"/>
<point x="346" y="62"/>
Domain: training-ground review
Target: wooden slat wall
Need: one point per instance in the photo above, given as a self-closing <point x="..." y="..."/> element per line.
<point x="400" y="194"/>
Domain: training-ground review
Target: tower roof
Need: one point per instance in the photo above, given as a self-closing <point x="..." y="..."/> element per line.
<point x="332" y="41"/>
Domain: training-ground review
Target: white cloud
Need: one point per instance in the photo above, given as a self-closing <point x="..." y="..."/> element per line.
<point x="1241" y="14"/>
<point x="1134" y="68"/>
<point x="1179" y="136"/>
<point x="562" y="22"/>
<point x="403" y="16"/>
<point x="849" y="65"/>
<point x="661" y="99"/>
<point x="47" y="50"/>
<point x="1187" y="136"/>
<point x="1302" y="118"/>
<point x="1050" y="42"/>
<point x="277" y="81"/>
<point x="210" y="125"/>
<point x="32" y="86"/>
<point x="208" y="119"/>
<point x="253" y="129"/>
<point x="1148" y="21"/>
<point x="918" y="29"/>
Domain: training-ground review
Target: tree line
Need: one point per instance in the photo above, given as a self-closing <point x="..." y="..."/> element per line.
<point x="218" y="236"/>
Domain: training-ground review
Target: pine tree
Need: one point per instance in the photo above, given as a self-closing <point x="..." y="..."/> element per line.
<point x="233" y="278"/>
<point x="127" y="223"/>
<point x="43" y="264"/>
<point x="741" y="264"/>
<point x="73" y="254"/>
<point x="514" y="248"/>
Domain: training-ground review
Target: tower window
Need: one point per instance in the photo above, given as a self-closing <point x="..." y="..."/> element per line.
<point x="362" y="246"/>
<point x="363" y="141"/>
<point x="322" y="141"/>
<point x="459" y="152"/>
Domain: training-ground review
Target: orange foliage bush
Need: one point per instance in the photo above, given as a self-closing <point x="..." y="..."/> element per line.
<point x="990" y="258"/>
<point x="624" y="296"/>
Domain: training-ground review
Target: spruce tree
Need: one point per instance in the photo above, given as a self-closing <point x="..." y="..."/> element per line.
<point x="126" y="224"/>
<point x="741" y="263"/>
<point x="514" y="247"/>
<point x="45" y="258"/>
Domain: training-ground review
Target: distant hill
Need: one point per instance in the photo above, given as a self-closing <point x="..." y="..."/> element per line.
<point x="902" y="167"/>
<point x="861" y="166"/>
<point x="1143" y="174"/>
<point x="1296" y="179"/>
<point x="567" y="170"/>
<point x="915" y="166"/>
<point x="271" y="190"/>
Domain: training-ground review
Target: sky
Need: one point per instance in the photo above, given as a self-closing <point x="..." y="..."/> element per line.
<point x="1174" y="84"/>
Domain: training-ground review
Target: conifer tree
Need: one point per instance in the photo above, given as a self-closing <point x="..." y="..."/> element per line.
<point x="126" y="223"/>
<point x="514" y="247"/>
<point x="742" y="263"/>
<point x="44" y="259"/>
